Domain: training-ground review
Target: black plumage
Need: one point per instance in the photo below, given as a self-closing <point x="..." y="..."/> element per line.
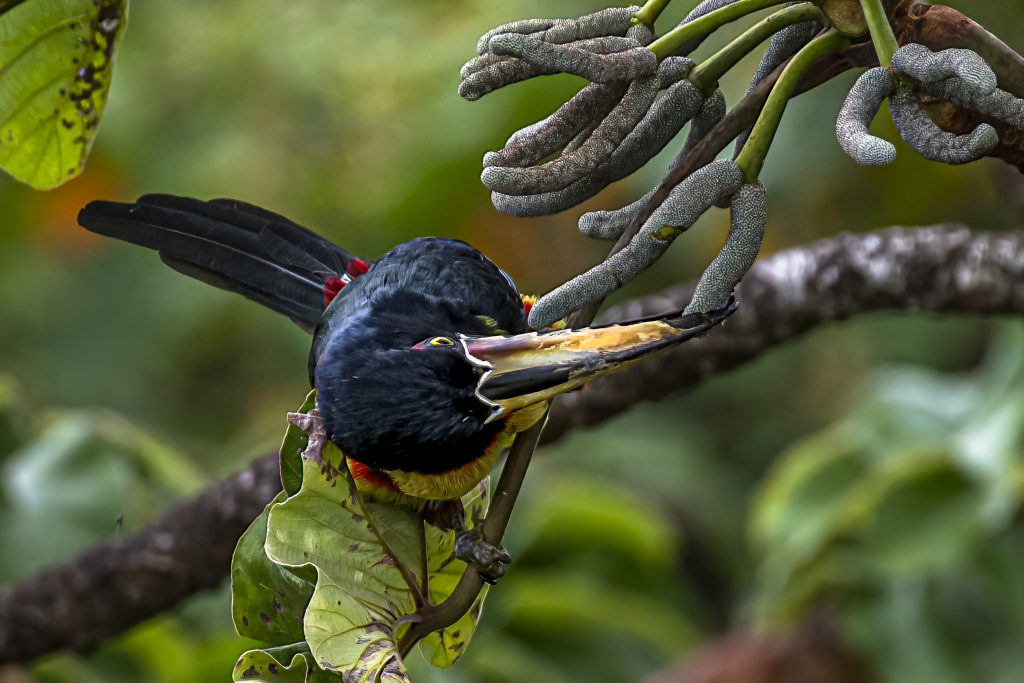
<point x="423" y="368"/>
<point x="384" y="402"/>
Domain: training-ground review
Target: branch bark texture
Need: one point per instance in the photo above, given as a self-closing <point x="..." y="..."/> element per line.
<point x="942" y="269"/>
<point x="111" y="587"/>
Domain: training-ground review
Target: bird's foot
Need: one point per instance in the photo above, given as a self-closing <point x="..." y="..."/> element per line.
<point x="489" y="560"/>
<point x="313" y="425"/>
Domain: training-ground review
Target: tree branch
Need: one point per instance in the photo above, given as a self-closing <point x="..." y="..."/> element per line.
<point x="944" y="269"/>
<point x="113" y="586"/>
<point x="940" y="269"/>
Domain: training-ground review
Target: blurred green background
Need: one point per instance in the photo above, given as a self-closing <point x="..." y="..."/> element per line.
<point x="872" y="470"/>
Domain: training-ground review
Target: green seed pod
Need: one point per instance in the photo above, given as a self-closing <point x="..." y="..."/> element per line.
<point x="855" y="117"/>
<point x="920" y="132"/>
<point x="568" y="168"/>
<point x="681" y="209"/>
<point x="627" y="65"/>
<point x="749" y="215"/>
<point x="923" y="65"/>
<point x="609" y="225"/>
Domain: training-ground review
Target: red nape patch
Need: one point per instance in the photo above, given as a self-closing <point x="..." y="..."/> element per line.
<point x="357" y="267"/>
<point x="528" y="301"/>
<point x="372" y="479"/>
<point x="332" y="287"/>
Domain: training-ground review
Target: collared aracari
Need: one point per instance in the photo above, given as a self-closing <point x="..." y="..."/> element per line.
<point x="424" y="367"/>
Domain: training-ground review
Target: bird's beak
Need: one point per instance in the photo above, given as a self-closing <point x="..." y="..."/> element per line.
<point x="524" y="369"/>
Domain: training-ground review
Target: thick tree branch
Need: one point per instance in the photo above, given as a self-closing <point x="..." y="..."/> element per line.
<point x="113" y="586"/>
<point x="945" y="269"/>
<point x="941" y="269"/>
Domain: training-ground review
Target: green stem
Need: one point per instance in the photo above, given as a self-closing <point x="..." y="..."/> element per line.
<point x="706" y="74"/>
<point x="650" y="12"/>
<point x="881" y="31"/>
<point x="699" y="28"/>
<point x="751" y="158"/>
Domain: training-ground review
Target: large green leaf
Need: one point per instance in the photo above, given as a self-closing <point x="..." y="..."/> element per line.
<point x="56" y="58"/>
<point x="337" y="572"/>
<point x="369" y="559"/>
<point x="267" y="600"/>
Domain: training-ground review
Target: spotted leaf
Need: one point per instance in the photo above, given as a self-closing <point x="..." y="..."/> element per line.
<point x="369" y="559"/>
<point x="267" y="600"/>
<point x="56" y="58"/>
<point x="286" y="664"/>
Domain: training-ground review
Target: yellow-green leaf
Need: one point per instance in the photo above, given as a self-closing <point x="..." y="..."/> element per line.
<point x="286" y="664"/>
<point x="56" y="58"/>
<point x="369" y="562"/>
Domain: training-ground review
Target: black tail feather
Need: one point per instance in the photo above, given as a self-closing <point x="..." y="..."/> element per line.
<point x="232" y="245"/>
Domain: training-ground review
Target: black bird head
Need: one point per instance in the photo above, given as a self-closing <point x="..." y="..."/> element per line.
<point x="397" y="390"/>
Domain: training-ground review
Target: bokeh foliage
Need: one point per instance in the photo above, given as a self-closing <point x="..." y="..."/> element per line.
<point x="126" y="386"/>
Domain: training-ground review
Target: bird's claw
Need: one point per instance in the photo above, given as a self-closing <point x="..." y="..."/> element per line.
<point x="313" y="425"/>
<point x="489" y="560"/>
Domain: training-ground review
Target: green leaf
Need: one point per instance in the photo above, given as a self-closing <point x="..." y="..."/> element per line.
<point x="287" y="664"/>
<point x="444" y="648"/>
<point x="369" y="564"/>
<point x="295" y="441"/>
<point x="56" y="58"/>
<point x="87" y="475"/>
<point x="925" y="514"/>
<point x="802" y="504"/>
<point x="267" y="600"/>
<point x="369" y="559"/>
<point x="557" y="602"/>
<point x="584" y="513"/>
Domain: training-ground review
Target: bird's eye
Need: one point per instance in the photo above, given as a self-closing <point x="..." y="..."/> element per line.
<point x="441" y="341"/>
